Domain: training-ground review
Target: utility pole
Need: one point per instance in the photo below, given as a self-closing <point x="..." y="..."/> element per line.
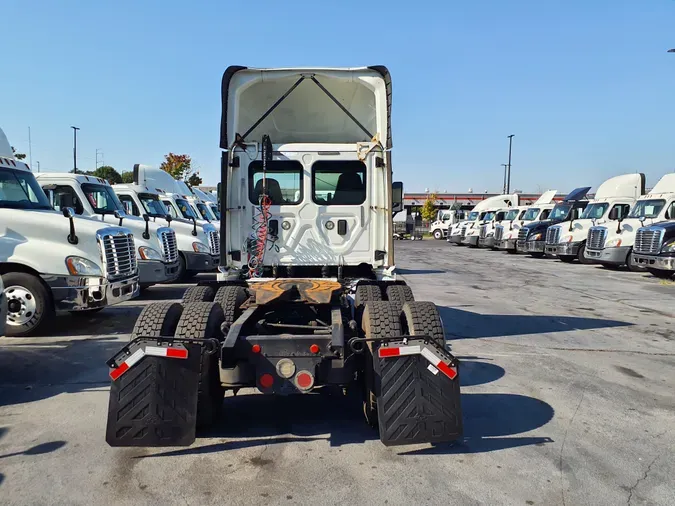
<point x="30" y="149"/>
<point x="508" y="176"/>
<point x="504" y="186"/>
<point x="38" y="165"/>
<point x="75" y="129"/>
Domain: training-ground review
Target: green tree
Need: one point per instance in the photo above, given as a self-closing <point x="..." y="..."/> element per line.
<point x="128" y="177"/>
<point x="194" y="180"/>
<point x="18" y="156"/>
<point x="108" y="173"/>
<point x="428" y="210"/>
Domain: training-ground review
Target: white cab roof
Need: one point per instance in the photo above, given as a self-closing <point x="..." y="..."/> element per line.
<point x="626" y="185"/>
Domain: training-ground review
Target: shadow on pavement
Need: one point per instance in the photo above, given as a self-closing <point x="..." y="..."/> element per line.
<point x="461" y="324"/>
<point x="420" y="271"/>
<point x="40" y="449"/>
<point x="478" y="373"/>
<point x="260" y="420"/>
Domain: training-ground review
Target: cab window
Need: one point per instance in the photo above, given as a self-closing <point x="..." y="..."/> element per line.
<point x="129" y="205"/>
<point x="170" y="209"/>
<point x="624" y="209"/>
<point x="283" y="182"/>
<point x="65" y="196"/>
<point x="339" y="183"/>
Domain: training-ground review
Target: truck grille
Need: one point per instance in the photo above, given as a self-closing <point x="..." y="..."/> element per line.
<point x="214" y="243"/>
<point x="482" y="232"/>
<point x="553" y="235"/>
<point x="119" y="253"/>
<point x="499" y="232"/>
<point x="463" y="231"/>
<point x="596" y="238"/>
<point x="522" y="234"/>
<point x="648" y="240"/>
<point x="167" y="238"/>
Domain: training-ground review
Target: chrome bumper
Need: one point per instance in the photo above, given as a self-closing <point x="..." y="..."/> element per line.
<point x="654" y="262"/>
<point x="611" y="256"/>
<point x="487" y="242"/>
<point x="471" y="240"/>
<point x="79" y="293"/>
<point x="506" y="244"/>
<point x="151" y="272"/>
<point x="565" y="249"/>
<point x="455" y="239"/>
<point x="534" y="247"/>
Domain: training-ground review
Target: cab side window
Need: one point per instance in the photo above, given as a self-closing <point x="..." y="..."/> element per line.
<point x="65" y="196"/>
<point x="129" y="205"/>
<point x="624" y="209"/>
<point x="544" y="214"/>
<point x="670" y="213"/>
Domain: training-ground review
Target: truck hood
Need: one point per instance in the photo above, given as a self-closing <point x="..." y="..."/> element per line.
<point x="307" y="111"/>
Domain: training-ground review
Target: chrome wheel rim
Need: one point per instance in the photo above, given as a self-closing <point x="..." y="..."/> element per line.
<point x="21" y="305"/>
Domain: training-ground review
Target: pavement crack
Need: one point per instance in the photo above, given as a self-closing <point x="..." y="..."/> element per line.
<point x="641" y="479"/>
<point x="562" y="446"/>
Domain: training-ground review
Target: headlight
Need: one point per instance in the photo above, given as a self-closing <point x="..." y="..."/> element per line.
<point x="78" y="266"/>
<point x="200" y="248"/>
<point x="535" y="237"/>
<point x="147" y="253"/>
<point x="669" y="247"/>
<point x="566" y="238"/>
<point x="614" y="243"/>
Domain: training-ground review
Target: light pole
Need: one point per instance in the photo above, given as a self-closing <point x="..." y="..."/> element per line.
<point x="75" y="129"/>
<point x="508" y="175"/>
<point x="504" y="186"/>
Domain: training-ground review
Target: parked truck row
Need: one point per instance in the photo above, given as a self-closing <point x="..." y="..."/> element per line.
<point x="72" y="243"/>
<point x="622" y="225"/>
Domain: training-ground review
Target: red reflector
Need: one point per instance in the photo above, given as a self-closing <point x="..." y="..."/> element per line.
<point x="176" y="353"/>
<point x="304" y="380"/>
<point x="389" y="352"/>
<point x="266" y="380"/>
<point x="116" y="373"/>
<point x="256" y="349"/>
<point x="448" y="371"/>
<point x="314" y="348"/>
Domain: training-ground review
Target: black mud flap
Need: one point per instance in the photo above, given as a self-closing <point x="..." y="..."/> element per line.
<point x="153" y="399"/>
<point x="417" y="389"/>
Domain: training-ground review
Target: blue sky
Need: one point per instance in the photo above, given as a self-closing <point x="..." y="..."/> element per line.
<point x="586" y="86"/>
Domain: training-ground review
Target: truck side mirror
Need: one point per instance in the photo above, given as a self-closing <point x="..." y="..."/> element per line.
<point x="146" y="233"/>
<point x="168" y="219"/>
<point x="120" y="215"/>
<point x="614" y="214"/>
<point x="397" y="197"/>
<point x="69" y="213"/>
<point x="194" y="226"/>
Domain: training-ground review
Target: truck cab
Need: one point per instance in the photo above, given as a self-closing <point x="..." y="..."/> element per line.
<point x="56" y="262"/>
<point x="467" y="233"/>
<point x="506" y="232"/>
<point x="612" y="245"/>
<point x="198" y="244"/>
<point x="532" y="238"/>
<point x="611" y="204"/>
<point x="654" y="248"/>
<point x="93" y="197"/>
<point x="445" y="218"/>
<point x="486" y="235"/>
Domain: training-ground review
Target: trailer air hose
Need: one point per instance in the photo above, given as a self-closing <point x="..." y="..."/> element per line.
<point x="261" y="218"/>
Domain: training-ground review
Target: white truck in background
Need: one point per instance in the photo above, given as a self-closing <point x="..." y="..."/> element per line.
<point x="506" y="232"/>
<point x="611" y="204"/>
<point x="445" y="218"/>
<point x="458" y="232"/>
<point x="486" y="215"/>
<point x="52" y="262"/>
<point x="486" y="233"/>
<point x="93" y="197"/>
<point x="611" y="245"/>
<point x="198" y="245"/>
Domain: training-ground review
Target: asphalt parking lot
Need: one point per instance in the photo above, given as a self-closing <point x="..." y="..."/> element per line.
<point x="568" y="375"/>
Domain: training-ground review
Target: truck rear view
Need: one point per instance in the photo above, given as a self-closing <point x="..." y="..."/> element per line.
<point x="307" y="296"/>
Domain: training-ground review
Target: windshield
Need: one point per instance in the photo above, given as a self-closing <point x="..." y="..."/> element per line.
<point x="560" y="212"/>
<point x="489" y="216"/>
<point x="473" y="216"/>
<point x="20" y="190"/>
<point x="205" y="211"/>
<point x="595" y="211"/>
<point x="511" y="215"/>
<point x="531" y="214"/>
<point x="647" y="208"/>
<point x="214" y="210"/>
<point x="102" y="198"/>
<point x="153" y="207"/>
<point x="185" y="209"/>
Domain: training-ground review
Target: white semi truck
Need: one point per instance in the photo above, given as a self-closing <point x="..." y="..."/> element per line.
<point x="198" y="244"/>
<point x="312" y="302"/>
<point x="93" y="197"/>
<point x="506" y="232"/>
<point x="612" y="245"/>
<point x="445" y="218"/>
<point x="487" y="214"/>
<point x="486" y="234"/>
<point x="611" y="204"/>
<point x="53" y="262"/>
